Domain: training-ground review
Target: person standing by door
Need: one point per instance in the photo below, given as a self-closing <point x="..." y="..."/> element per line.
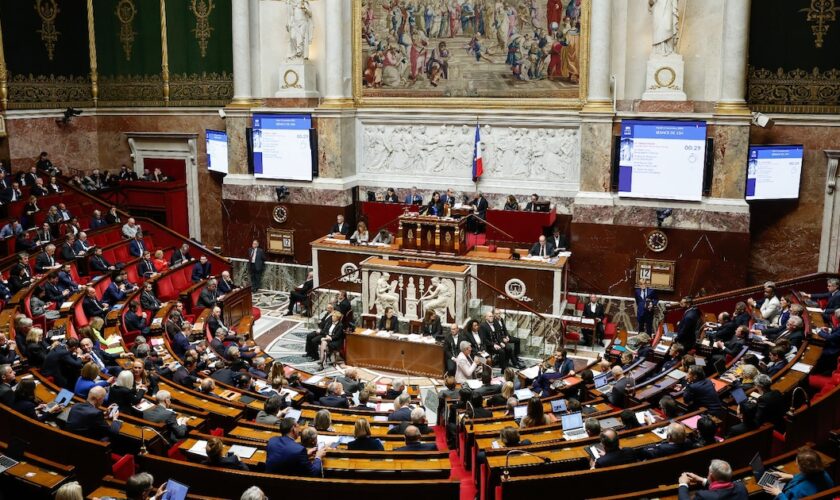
<point x="256" y="265"/>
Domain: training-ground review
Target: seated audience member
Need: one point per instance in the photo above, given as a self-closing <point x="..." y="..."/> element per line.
<point x="323" y="421"/>
<point x="418" y="419"/>
<point x="700" y="392"/>
<point x="542" y="248"/>
<point x="66" y="251"/>
<point x="721" y="351"/>
<point x="7" y="379"/>
<point x="391" y="196"/>
<point x="402" y="409"/>
<point x="24" y="400"/>
<point x="87" y="420"/>
<point x="12" y="193"/>
<point x="99" y="264"/>
<point x="628" y="420"/>
<point x="771" y="403"/>
<point x="792" y="331"/>
<point x="124" y="394"/>
<point x="226" y="284"/>
<point x="413" y="443"/>
<point x="389" y="321"/>
<point x="97" y="221"/>
<point x="180" y="255"/>
<point x="335" y="397"/>
<point x="137" y="247"/>
<point x="116" y="291"/>
<point x="36" y="347"/>
<point x="13" y="228"/>
<point x="39" y="189"/>
<point x="148" y="300"/>
<point x="614" y="454"/>
<point x="201" y="269"/>
<point x="706" y="431"/>
<point x="44" y="234"/>
<point x="285" y="456"/>
<point x="273" y="410"/>
<point x="300" y="295"/>
<point x="136" y="320"/>
<point x="531" y="206"/>
<point x="724" y="331"/>
<point x="811" y="479"/>
<point x="350" y="381"/>
<point x="361" y="234"/>
<point x="746" y="379"/>
<point x="384" y="237"/>
<point x="747" y="412"/>
<point x="434" y="207"/>
<point x="363" y="440"/>
<point x="535" y="415"/>
<point x="141" y="486"/>
<point x="63" y="363"/>
<point x="209" y="295"/>
<point x="113" y="217"/>
<point x="46" y="260"/>
<point x="92" y="306"/>
<point x="364" y="397"/>
<point x="217" y="457"/>
<point x="431" y="325"/>
<point x="776" y="361"/>
<point x="340" y="228"/>
<point x="466" y="363"/>
<point x="476" y="408"/>
<point x="89" y="379"/>
<point x="160" y="262"/>
<point x="718" y="485"/>
<point x="129" y="229"/>
<point x="832" y="298"/>
<point x="511" y="203"/>
<point x="677" y="442"/>
<point x="828" y="360"/>
<point x="413" y="197"/>
<point x="622" y="388"/>
<point x="769" y="306"/>
<point x="559" y="242"/>
<point x="82" y="246"/>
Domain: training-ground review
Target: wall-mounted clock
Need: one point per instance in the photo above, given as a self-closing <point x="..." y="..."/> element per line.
<point x="280" y="214"/>
<point x="657" y="241"/>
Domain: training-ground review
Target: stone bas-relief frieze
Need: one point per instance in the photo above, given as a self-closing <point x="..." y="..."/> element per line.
<point x="509" y="153"/>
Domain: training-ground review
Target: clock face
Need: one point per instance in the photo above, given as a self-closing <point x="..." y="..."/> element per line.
<point x="280" y="214"/>
<point x="657" y="241"/>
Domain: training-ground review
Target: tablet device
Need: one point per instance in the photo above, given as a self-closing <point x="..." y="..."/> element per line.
<point x="175" y="491"/>
<point x="739" y="395"/>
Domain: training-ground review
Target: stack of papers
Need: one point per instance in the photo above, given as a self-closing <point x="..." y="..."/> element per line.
<point x="802" y="367"/>
<point x="523" y="394"/>
<point x="199" y="448"/>
<point x="474" y="384"/>
<point x="245" y="452"/>
<point x="314" y="379"/>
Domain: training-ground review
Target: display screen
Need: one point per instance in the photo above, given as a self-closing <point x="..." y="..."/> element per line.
<point x="773" y="172"/>
<point x="217" y="151"/>
<point x="281" y="147"/>
<point x="662" y="159"/>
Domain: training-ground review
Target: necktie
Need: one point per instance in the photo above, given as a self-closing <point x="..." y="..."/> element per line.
<point x="542" y="250"/>
<point x="253" y="256"/>
<point x="97" y="360"/>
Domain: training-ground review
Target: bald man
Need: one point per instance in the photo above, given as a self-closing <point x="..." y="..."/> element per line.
<point x="87" y="420"/>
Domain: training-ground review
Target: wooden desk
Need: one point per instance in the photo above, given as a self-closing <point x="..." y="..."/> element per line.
<point x="431" y="234"/>
<point x="396" y="355"/>
<point x="235" y="306"/>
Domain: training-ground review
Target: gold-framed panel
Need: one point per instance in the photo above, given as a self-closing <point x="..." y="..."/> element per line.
<point x="660" y="274"/>
<point x="471" y="102"/>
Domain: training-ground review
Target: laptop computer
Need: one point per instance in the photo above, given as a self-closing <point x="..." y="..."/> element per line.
<point x="573" y="426"/>
<point x="6" y="463"/>
<point x="739" y="395"/>
<point x="62" y="398"/>
<point x="175" y="491"/>
<point x="520" y="411"/>
<point x="610" y="423"/>
<point x="558" y="406"/>
<point x="601" y="380"/>
<point x="764" y="475"/>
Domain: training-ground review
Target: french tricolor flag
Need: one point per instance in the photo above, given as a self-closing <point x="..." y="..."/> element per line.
<point x="478" y="164"/>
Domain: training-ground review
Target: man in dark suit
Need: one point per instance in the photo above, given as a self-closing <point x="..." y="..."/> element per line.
<point x="215" y="322"/>
<point x="614" y="454"/>
<point x="180" y="343"/>
<point x="45" y="261"/>
<point x="531" y="206"/>
<point x="93" y="306"/>
<point x="831" y="349"/>
<point x="7" y="378"/>
<point x="44" y="234"/>
<point x="496" y="345"/>
<point x="62" y="364"/>
<point x="451" y="348"/>
<point x="201" y="269"/>
<point x="558" y="240"/>
<point x="646" y="300"/>
<point x="12" y="193"/>
<point x="700" y="392"/>
<point x="148" y="301"/>
<point x="488" y="388"/>
<point x="209" y="296"/>
<point x="256" y="265"/>
<point x="162" y="412"/>
<point x="343" y="303"/>
<point x="335" y="397"/>
<point x="136" y="321"/>
<point x="97" y="221"/>
<point x="364" y="397"/>
<point x="776" y="362"/>
<point x="541" y="248"/>
<point x="98" y="263"/>
<point x="621" y="388"/>
<point x="301" y="293"/>
<point x="396" y="389"/>
<point x="52" y="292"/>
<point x="687" y="327"/>
<point x="832" y="296"/>
<point x="136" y="247"/>
<point x="340" y="227"/>
<point x="677" y="442"/>
<point x="413" y="197"/>
<point x="480" y="205"/>
<point x="226" y="284"/>
<point x="717" y="486"/>
<point x="350" y="381"/>
<point x="793" y="331"/>
<point x="721" y="350"/>
<point x="146" y="268"/>
<point x="82" y="246"/>
<point x="402" y="411"/>
<point x="418" y="419"/>
<point x="595" y="311"/>
<point x="87" y="420"/>
<point x="284" y="455"/>
<point x="413" y="443"/>
<point x="725" y="331"/>
<point x="771" y="403"/>
<point x="180" y="255"/>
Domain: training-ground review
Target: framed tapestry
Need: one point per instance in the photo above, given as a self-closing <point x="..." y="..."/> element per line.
<point x="458" y="53"/>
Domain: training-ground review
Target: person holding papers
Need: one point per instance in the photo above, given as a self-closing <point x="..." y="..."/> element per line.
<point x="465" y="363"/>
<point x="162" y="412"/>
<point x="542" y="248"/>
<point x="217" y="457"/>
<point x="832" y="296"/>
<point x="284" y="455"/>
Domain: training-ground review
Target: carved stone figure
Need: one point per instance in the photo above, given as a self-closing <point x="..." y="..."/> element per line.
<point x="299" y="26"/>
<point x="385" y="293"/>
<point x="440" y="297"/>
<point x="666" y="26"/>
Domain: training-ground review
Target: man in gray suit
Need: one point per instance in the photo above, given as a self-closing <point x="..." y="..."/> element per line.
<point x="256" y="265"/>
<point x="161" y="412"/>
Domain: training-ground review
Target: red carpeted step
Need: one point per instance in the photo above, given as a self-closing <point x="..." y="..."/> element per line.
<point x="458" y="471"/>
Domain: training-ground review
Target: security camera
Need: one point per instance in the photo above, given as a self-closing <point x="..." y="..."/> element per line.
<point x="222" y="114"/>
<point x="68" y="115"/>
<point x="662" y="214"/>
<point x="282" y="193"/>
<point x="762" y="120"/>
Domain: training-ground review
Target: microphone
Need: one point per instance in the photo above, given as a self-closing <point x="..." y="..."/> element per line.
<point x="407" y="375"/>
<point x="792" y="409"/>
<point x="472" y="415"/>
<point x="506" y="470"/>
<point x="143" y="449"/>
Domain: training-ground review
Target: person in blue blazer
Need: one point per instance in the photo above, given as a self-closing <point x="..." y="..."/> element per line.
<point x="812" y="478"/>
<point x="137" y="246"/>
<point x="646" y="300"/>
<point x="284" y="455"/>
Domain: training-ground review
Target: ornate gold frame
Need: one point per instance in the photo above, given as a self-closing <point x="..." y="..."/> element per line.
<point x="466" y="102"/>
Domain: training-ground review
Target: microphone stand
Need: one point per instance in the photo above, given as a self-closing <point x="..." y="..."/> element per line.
<point x="472" y="415"/>
<point x="792" y="409"/>
<point x="506" y="470"/>
<point x="143" y="449"/>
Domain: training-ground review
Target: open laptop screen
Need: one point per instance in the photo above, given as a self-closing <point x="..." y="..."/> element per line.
<point x="572" y="421"/>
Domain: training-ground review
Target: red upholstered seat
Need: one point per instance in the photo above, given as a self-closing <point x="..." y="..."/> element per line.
<point x="79" y="317"/>
<point x="131" y="274"/>
<point x="179" y="281"/>
<point x="256" y="313"/>
<point x="165" y="289"/>
<point x="123" y="467"/>
<point x="610" y="330"/>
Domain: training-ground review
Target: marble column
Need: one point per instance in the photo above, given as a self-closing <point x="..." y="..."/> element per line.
<point x="335" y="40"/>
<point x="734" y="51"/>
<point x="599" y="97"/>
<point x="255" y="51"/>
<point x="240" y="12"/>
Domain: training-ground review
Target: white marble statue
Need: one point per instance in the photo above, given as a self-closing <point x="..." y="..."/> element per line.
<point x="299" y="26"/>
<point x="440" y="297"/>
<point x="666" y="26"/>
<point x="384" y="293"/>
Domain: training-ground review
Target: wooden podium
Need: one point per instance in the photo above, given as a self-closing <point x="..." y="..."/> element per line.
<point x="430" y="234"/>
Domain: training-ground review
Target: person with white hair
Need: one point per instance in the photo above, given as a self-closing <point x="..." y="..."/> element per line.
<point x="717" y="484"/>
<point x="397" y="388"/>
<point x="466" y="363"/>
<point x="402" y="409"/>
<point x="253" y="493"/>
<point x="162" y="412"/>
<point x="335" y="397"/>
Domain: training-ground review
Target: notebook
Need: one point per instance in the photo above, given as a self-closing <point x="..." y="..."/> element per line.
<point x="64" y="396"/>
<point x="519" y="412"/>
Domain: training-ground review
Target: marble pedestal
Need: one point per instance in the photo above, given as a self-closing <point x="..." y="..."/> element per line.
<point x="664" y="80"/>
<point x="297" y="79"/>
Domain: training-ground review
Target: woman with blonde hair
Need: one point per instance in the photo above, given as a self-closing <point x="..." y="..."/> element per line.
<point x="87" y="380"/>
<point x="70" y="491"/>
<point x="160" y="262"/>
<point x="323" y="421"/>
<point x="364" y="441"/>
<point x="361" y="234"/>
